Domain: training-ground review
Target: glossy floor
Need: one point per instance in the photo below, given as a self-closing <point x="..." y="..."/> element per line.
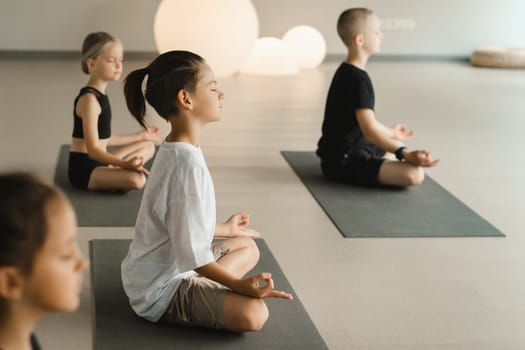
<point x="402" y="293"/>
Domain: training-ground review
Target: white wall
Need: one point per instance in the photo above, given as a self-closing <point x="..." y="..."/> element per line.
<point x="442" y="27"/>
<point x="61" y="25"/>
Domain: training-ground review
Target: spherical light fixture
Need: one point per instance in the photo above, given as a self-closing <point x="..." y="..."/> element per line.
<point x="307" y="45"/>
<point x="222" y="32"/>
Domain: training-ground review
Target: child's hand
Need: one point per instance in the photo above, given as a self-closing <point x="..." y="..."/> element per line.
<point x="259" y="286"/>
<point x="151" y="134"/>
<point x="137" y="164"/>
<point x="238" y="226"/>
<point x="420" y="158"/>
<point x="401" y="132"/>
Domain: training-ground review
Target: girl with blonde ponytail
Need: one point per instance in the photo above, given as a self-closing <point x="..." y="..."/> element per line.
<point x="91" y="165"/>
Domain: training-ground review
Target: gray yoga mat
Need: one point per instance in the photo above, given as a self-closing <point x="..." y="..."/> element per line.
<point x="98" y="209"/>
<point x="427" y="210"/>
<point x="116" y="326"/>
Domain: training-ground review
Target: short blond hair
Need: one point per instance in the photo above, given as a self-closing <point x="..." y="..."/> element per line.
<point x="352" y="22"/>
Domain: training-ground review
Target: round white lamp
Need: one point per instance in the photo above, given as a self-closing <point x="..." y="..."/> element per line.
<point x="270" y="56"/>
<point x="307" y="44"/>
<point x="222" y="32"/>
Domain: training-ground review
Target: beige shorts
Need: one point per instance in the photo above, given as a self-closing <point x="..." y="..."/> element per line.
<point x="198" y="301"/>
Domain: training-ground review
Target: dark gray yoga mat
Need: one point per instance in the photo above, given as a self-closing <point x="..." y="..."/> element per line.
<point x="115" y="325"/>
<point x="427" y="210"/>
<point x="98" y="209"/>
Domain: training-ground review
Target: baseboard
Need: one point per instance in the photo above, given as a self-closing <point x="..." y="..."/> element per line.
<point x="403" y="58"/>
<point x="139" y="55"/>
<point x="66" y="55"/>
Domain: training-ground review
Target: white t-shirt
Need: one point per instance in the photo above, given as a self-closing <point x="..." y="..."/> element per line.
<point x="174" y="229"/>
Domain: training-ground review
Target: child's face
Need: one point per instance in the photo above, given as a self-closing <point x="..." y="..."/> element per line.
<point x="372" y="37"/>
<point x="108" y="64"/>
<point x="56" y="279"/>
<point x="207" y="97"/>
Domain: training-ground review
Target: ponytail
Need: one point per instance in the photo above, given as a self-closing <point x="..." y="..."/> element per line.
<point x="167" y="75"/>
<point x="134" y="95"/>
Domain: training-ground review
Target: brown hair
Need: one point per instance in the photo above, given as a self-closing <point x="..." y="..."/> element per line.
<point x="167" y="75"/>
<point x="23" y="221"/>
<point x="352" y="22"/>
<point x="92" y="45"/>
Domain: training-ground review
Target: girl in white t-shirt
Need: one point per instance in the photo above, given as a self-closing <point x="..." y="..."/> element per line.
<point x="173" y="272"/>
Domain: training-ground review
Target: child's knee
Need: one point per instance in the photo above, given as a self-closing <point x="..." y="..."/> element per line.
<point x="255" y="316"/>
<point x="252" y="247"/>
<point x="136" y="181"/>
<point x="250" y="250"/>
<point x="415" y="176"/>
<point x="150" y="148"/>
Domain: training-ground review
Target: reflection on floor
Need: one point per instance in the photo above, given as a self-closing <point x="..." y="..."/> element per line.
<point x="443" y="293"/>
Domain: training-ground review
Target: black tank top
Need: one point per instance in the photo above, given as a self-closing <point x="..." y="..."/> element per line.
<point x="104" y="118"/>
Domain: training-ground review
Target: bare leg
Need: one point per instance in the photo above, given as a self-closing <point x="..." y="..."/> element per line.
<point x="242" y="313"/>
<point x="144" y="149"/>
<point x="400" y="174"/>
<point x="115" y="179"/>
<point x="242" y="257"/>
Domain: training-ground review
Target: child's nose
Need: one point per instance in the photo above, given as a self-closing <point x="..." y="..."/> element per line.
<point x="82" y="263"/>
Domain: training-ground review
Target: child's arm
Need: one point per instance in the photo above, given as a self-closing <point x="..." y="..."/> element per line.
<point x="235" y="226"/>
<point x="89" y="109"/>
<point x="249" y="286"/>
<point x="149" y="134"/>
<point x="390" y="139"/>
<point x="377" y="133"/>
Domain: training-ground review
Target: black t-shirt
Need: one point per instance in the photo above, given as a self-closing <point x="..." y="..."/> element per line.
<point x="351" y="89"/>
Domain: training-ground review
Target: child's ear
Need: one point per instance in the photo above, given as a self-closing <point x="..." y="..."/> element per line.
<point x="90" y="63"/>
<point x="359" y="39"/>
<point x="184" y="99"/>
<point x="11" y="283"/>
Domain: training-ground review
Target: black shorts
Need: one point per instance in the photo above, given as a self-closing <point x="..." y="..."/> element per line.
<point x="358" y="166"/>
<point x="79" y="170"/>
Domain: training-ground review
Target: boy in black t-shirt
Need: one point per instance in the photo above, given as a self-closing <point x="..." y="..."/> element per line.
<point x="354" y="147"/>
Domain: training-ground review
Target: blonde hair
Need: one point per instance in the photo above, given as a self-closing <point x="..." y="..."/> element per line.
<point x="352" y="22"/>
<point x="93" y="45"/>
